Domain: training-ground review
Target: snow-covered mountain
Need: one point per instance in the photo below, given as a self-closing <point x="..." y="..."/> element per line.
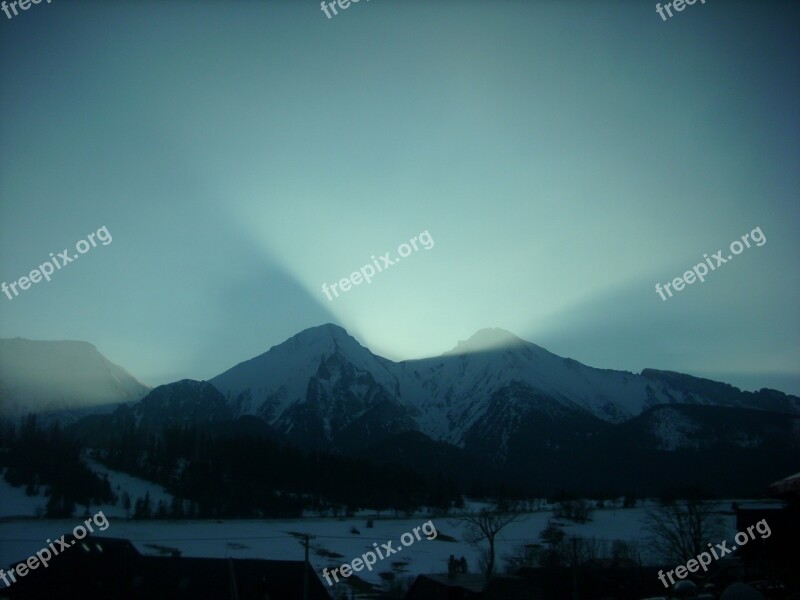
<point x="319" y="387"/>
<point x="455" y="390"/>
<point x="494" y="410"/>
<point x="51" y="376"/>
<point x="494" y="395"/>
<point x="323" y="386"/>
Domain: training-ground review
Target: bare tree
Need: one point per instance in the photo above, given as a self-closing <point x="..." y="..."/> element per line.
<point x="485" y="524"/>
<point x="681" y="529"/>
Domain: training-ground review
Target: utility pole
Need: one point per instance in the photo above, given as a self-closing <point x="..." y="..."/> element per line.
<point x="574" y="568"/>
<point x="234" y="590"/>
<point x="306" y="567"/>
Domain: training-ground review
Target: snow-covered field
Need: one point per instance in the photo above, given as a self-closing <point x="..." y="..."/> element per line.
<point x="332" y="541"/>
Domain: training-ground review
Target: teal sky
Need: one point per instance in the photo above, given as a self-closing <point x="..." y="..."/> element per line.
<point x="564" y="156"/>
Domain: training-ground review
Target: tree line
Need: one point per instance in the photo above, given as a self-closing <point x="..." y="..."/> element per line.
<point x="212" y="475"/>
<point x="47" y="461"/>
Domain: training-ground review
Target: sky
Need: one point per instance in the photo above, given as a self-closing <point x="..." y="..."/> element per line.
<point x="564" y="158"/>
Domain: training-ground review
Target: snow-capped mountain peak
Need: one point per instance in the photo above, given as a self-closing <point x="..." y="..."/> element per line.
<point x="317" y="369"/>
<point x="322" y="383"/>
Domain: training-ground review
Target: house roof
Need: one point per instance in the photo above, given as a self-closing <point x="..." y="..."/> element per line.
<point x="474" y="582"/>
<point x="97" y="568"/>
<point x="788" y="486"/>
<point x="462" y="586"/>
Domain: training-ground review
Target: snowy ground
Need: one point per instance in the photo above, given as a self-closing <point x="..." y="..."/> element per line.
<point x="332" y="542"/>
<point x="14" y="503"/>
<point x="122" y="482"/>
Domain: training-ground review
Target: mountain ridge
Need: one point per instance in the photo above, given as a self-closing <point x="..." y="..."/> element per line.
<point x="78" y="377"/>
<point x="323" y="389"/>
<point x="496" y="409"/>
<point x="322" y="381"/>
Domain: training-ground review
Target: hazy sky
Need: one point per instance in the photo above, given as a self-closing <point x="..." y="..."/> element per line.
<point x="564" y="156"/>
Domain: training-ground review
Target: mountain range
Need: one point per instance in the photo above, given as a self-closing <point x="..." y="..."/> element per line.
<point x="322" y="385"/>
<point x="494" y="406"/>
